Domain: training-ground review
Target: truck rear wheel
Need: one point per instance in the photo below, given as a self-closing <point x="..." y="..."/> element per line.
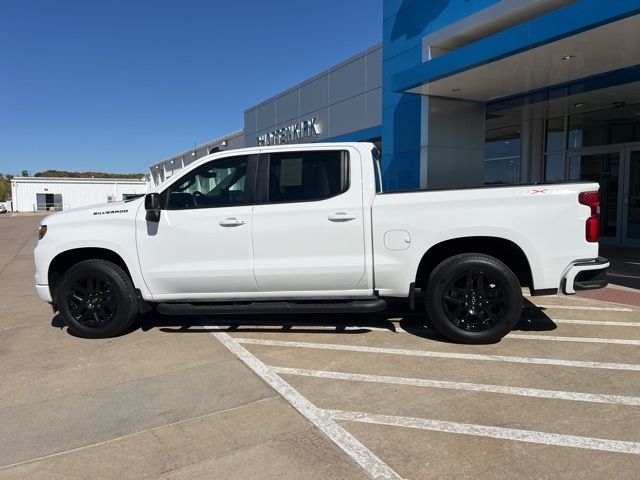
<point x="473" y="298"/>
<point x="96" y="299"/>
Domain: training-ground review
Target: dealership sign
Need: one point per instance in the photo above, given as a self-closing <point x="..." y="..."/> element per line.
<point x="297" y="131"/>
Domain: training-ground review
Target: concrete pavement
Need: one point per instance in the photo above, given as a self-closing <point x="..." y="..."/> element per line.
<point x="144" y="405"/>
<point x="381" y="396"/>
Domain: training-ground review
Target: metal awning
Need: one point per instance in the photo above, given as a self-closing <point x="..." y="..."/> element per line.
<point x="572" y="43"/>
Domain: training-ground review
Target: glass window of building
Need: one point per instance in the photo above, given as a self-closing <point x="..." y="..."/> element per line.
<point x="603" y="168"/>
<point x="633" y="197"/>
<point x="554" y="150"/>
<point x="502" y="155"/>
<point x="620" y="124"/>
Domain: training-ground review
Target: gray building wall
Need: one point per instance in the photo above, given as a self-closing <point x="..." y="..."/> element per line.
<point x="345" y="98"/>
<point x="452" y="140"/>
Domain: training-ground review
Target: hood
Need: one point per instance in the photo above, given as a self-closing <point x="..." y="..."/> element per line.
<point x="101" y="211"/>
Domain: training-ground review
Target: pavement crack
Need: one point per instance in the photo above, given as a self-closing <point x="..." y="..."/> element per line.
<point x="151" y="430"/>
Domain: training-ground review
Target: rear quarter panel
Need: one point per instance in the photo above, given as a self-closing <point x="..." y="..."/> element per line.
<point x="546" y="222"/>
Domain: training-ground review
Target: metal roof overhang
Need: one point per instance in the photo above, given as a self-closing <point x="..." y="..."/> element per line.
<point x="597" y="38"/>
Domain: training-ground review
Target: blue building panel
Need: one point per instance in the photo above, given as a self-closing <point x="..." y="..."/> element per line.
<point x="558" y="24"/>
<point x="415" y="19"/>
<point x="405" y="23"/>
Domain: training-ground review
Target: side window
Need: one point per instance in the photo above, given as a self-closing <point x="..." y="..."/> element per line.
<point x="307" y="176"/>
<point x="219" y="183"/>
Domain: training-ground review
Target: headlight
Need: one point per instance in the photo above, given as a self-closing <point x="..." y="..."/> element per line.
<point x="42" y="231"/>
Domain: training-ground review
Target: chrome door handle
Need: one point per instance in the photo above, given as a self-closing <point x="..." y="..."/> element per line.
<point x="341" y="217"/>
<point x="231" y="222"/>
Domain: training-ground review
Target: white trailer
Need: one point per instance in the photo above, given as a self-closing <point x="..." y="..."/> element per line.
<point x="32" y="194"/>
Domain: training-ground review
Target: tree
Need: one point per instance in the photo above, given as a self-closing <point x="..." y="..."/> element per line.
<point x="63" y="173"/>
<point x="5" y="188"/>
<point x="25" y="173"/>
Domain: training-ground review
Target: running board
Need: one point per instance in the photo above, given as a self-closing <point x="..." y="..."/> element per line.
<point x="345" y="306"/>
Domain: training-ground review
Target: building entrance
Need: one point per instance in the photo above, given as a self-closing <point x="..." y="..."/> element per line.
<point x="617" y="169"/>
<point x="48" y="201"/>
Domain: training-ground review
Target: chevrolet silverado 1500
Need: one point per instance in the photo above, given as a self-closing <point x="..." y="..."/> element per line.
<point x="308" y="228"/>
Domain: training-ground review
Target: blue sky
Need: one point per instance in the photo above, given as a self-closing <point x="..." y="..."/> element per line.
<point x="116" y="85"/>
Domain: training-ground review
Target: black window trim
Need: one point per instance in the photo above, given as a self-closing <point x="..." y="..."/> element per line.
<point x="262" y="180"/>
<point x="250" y="183"/>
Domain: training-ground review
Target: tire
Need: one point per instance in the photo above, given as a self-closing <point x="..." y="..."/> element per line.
<point x="96" y="299"/>
<point x="473" y="298"/>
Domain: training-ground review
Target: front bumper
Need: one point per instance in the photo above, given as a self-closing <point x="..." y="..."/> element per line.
<point x="44" y="293"/>
<point x="587" y="275"/>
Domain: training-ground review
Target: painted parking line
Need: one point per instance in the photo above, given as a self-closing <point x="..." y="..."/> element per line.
<point x="608" y="323"/>
<point x="436" y="354"/>
<point x="431" y="331"/>
<point x="473" y="387"/>
<point x="519" y="336"/>
<point x="579" y="307"/>
<point x="518" y="435"/>
<point x="364" y="457"/>
<point x="557" y="338"/>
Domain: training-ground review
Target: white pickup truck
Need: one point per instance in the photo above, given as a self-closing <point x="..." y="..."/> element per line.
<point x="308" y="229"/>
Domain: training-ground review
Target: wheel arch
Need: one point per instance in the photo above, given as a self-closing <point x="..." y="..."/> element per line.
<point x="507" y="251"/>
<point x="66" y="259"/>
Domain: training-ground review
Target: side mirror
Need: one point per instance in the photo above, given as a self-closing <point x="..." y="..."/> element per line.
<point x="152" y="206"/>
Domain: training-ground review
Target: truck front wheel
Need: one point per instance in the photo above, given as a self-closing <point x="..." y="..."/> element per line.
<point x="96" y="299"/>
<point x="473" y="298"/>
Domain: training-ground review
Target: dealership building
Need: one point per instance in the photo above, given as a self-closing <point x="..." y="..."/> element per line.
<point x="463" y="93"/>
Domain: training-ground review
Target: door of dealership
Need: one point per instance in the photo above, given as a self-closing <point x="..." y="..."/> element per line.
<point x="617" y="169"/>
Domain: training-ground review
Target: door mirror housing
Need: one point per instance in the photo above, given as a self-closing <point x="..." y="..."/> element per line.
<point x="152" y="206"/>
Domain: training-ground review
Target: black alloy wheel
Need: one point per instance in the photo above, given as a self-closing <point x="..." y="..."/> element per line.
<point x="96" y="299"/>
<point x="473" y="298"/>
<point x="91" y="301"/>
<point x="474" y="301"/>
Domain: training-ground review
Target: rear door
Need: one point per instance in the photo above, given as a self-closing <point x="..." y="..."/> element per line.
<point x="308" y="228"/>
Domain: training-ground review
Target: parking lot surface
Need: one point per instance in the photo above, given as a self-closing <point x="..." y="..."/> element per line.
<point x="315" y="397"/>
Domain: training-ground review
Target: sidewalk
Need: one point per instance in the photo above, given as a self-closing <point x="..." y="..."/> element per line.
<point x="623" y="276"/>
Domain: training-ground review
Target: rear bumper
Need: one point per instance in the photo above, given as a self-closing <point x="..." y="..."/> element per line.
<point x="587" y="275"/>
<point x="44" y="293"/>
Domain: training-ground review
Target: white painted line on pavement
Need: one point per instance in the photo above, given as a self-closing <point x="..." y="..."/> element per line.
<point x="374" y="467"/>
<point x="398" y="329"/>
<point x="520" y="336"/>
<point x="436" y="354"/>
<point x="596" y="322"/>
<point x="558" y="338"/>
<point x="473" y="387"/>
<point x="579" y="307"/>
<point x="529" y="436"/>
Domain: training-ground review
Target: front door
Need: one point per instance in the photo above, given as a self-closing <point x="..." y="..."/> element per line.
<point x="631" y="198"/>
<point x="308" y="223"/>
<point x="201" y="247"/>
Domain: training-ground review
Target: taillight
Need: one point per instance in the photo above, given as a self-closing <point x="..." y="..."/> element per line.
<point x="592" y="200"/>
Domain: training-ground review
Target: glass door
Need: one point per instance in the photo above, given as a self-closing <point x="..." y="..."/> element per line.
<point x="605" y="168"/>
<point x="631" y="198"/>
